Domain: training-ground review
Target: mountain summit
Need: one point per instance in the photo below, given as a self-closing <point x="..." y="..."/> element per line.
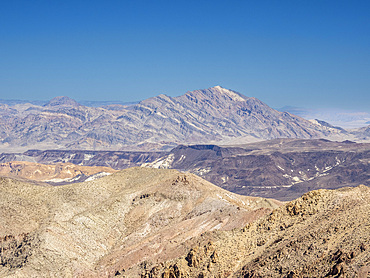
<point x="217" y="92"/>
<point x="62" y="101"/>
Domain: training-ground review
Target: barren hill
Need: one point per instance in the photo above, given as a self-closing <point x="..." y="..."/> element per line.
<point x="322" y="234"/>
<point x="112" y="225"/>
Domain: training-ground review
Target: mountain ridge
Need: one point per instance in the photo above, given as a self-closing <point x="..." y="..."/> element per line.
<point x="213" y="115"/>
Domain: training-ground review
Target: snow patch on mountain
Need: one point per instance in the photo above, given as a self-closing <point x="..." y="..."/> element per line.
<point x="234" y="96"/>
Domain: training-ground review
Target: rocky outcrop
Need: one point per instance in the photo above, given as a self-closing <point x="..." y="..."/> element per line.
<point x="16" y="249"/>
<point x="322" y="234"/>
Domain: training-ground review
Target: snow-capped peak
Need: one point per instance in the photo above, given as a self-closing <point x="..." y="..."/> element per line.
<point x="234" y="96"/>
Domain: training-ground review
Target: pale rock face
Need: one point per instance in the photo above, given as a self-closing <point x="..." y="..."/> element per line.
<point x="202" y="116"/>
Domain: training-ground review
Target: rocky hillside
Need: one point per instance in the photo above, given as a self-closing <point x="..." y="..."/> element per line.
<point x="322" y="234"/>
<point x="202" y="116"/>
<point x="113" y="225"/>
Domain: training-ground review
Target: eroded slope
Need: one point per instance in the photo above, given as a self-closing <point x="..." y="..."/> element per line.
<point x="114" y="224"/>
<point x="322" y="234"/>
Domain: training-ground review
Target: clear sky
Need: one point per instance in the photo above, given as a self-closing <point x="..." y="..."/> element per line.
<point x="302" y="53"/>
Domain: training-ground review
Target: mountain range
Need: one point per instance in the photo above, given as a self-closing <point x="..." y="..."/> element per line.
<point x="214" y="115"/>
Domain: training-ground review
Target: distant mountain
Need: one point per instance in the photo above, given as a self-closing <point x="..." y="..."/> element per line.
<point x="89" y="103"/>
<point x="62" y="101"/>
<point x="18" y="101"/>
<point x="97" y="103"/>
<point x="337" y="117"/>
<point x="362" y="133"/>
<point x="202" y="116"/>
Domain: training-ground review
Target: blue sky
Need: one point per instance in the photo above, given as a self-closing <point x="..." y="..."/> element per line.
<point x="310" y="53"/>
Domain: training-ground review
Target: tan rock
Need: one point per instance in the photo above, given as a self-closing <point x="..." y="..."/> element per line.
<point x="120" y="224"/>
